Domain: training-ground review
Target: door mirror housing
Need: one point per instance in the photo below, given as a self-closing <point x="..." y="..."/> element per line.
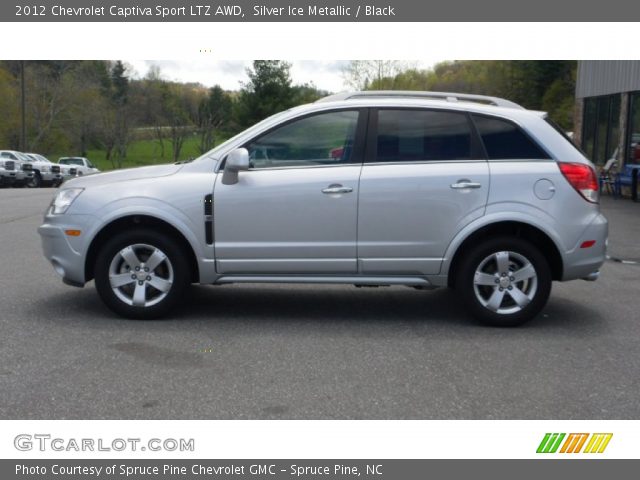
<point x="236" y="161"/>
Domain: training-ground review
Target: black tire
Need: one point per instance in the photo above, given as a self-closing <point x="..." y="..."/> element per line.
<point x="36" y="181"/>
<point x="512" y="309"/>
<point x="177" y="266"/>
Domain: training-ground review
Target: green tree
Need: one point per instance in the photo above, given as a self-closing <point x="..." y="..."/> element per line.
<point x="214" y="114"/>
<point x="82" y="120"/>
<point x="307" y="93"/>
<point x="119" y="96"/>
<point x="539" y="85"/>
<point x="362" y="74"/>
<point x="268" y="91"/>
<point x="9" y="106"/>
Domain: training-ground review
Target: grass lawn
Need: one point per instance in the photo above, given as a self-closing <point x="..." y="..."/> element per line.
<point x="142" y="152"/>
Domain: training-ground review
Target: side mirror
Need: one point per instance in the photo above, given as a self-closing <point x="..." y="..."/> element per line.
<point x="237" y="160"/>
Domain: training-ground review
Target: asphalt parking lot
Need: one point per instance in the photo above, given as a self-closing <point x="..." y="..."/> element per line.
<point x="312" y="352"/>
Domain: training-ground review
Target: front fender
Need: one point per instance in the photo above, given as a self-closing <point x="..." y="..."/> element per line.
<point x="163" y="211"/>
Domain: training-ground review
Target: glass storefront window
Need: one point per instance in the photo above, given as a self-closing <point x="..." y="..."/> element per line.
<point x="601" y="130"/>
<point x="614" y="126"/>
<point x="589" y="125"/>
<point x="601" y="127"/>
<point x="633" y="139"/>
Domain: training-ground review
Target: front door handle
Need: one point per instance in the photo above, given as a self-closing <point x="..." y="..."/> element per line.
<point x="465" y="183"/>
<point x="337" y="188"/>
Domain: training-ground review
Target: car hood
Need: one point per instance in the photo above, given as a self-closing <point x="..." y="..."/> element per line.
<point x="126" y="175"/>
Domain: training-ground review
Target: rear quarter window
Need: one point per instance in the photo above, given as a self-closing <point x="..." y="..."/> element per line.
<point x="504" y="140"/>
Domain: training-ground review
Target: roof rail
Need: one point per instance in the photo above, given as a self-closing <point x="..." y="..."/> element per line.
<point x="448" y="96"/>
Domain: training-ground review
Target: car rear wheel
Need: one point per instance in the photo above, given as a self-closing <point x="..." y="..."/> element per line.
<point x="141" y="274"/>
<point x="504" y="282"/>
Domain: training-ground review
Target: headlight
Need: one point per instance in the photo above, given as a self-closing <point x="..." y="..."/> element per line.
<point x="63" y="200"/>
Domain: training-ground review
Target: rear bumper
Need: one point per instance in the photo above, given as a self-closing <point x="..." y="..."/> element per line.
<point x="585" y="263"/>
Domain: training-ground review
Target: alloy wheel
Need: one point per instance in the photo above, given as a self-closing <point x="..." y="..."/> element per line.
<point x="141" y="275"/>
<point x="505" y="282"/>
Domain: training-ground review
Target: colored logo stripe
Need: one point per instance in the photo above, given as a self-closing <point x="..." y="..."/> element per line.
<point x="597" y="442"/>
<point x="574" y="443"/>
<point x="550" y="442"/>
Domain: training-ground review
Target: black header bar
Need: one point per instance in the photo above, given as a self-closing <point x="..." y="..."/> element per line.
<point x="320" y="11"/>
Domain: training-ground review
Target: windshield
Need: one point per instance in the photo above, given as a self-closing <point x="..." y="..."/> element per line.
<point x="23" y="157"/>
<point x="71" y="161"/>
<point x="39" y="158"/>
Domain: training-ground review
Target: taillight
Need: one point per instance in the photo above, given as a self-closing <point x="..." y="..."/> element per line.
<point x="583" y="178"/>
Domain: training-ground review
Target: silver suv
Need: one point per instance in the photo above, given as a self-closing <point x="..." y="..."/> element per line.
<point x="422" y="189"/>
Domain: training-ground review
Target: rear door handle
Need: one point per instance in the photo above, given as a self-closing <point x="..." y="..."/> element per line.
<point x="464" y="183"/>
<point x="337" y="188"/>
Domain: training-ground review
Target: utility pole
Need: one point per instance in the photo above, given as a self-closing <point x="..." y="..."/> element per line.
<point x="23" y="132"/>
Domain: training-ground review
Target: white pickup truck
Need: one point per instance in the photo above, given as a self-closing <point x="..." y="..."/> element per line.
<point x="82" y="164"/>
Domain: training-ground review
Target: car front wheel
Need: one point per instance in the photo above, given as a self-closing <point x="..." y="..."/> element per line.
<point x="504" y="282"/>
<point x="141" y="274"/>
<point x="35" y="181"/>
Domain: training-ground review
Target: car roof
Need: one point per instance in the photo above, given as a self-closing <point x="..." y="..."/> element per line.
<point x="423" y="95"/>
<point x="424" y="99"/>
<point x="520" y="114"/>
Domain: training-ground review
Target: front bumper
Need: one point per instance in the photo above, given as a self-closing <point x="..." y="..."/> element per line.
<point x="66" y="253"/>
<point x="23" y="177"/>
<point x="7" y="177"/>
<point x="49" y="177"/>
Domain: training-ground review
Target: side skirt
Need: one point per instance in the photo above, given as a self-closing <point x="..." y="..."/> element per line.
<point x="327" y="279"/>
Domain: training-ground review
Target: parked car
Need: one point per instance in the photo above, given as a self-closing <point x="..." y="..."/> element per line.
<point x="45" y="172"/>
<point x="7" y="172"/>
<point x="82" y="165"/>
<point x="430" y="190"/>
<point x="21" y="165"/>
<point x="67" y="172"/>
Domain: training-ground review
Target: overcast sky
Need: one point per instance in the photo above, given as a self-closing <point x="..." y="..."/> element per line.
<point x="326" y="75"/>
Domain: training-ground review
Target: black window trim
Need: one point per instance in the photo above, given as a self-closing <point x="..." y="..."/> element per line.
<point x="477" y="149"/>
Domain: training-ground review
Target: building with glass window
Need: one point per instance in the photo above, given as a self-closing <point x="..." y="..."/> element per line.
<point x="607" y="117"/>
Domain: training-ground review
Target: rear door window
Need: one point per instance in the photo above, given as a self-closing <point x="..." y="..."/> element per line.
<point x="405" y="135"/>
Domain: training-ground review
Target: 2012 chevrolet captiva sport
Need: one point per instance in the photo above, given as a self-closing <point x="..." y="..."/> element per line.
<point x="423" y="189"/>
